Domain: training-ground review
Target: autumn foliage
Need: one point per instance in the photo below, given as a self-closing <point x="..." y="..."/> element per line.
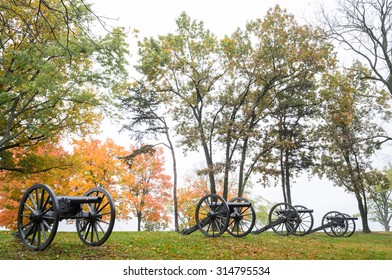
<point x="49" y="157"/>
<point x="144" y="188"/>
<point x="188" y="197"/>
<point x="139" y="190"/>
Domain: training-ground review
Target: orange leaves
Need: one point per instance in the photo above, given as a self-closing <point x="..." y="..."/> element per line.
<point x="142" y="188"/>
<point x="47" y="163"/>
<point x="188" y="196"/>
<point x="98" y="164"/>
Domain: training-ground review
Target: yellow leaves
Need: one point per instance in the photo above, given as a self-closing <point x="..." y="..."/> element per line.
<point x="92" y="163"/>
<point x="144" y="186"/>
<point x="97" y="164"/>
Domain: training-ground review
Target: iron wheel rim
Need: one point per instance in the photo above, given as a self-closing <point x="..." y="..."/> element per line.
<point x="38" y="217"/>
<point x="305" y="221"/>
<point x="239" y="224"/>
<point x="96" y="229"/>
<point x="338" y="222"/>
<point x="288" y="216"/>
<point x="212" y="215"/>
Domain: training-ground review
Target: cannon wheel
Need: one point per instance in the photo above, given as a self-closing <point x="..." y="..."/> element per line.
<point x="283" y="219"/>
<point x="338" y="224"/>
<point x="38" y="217"/>
<point x="242" y="219"/>
<point x="212" y="215"/>
<point x="305" y="221"/>
<point x="96" y="229"/>
<point x="350" y="226"/>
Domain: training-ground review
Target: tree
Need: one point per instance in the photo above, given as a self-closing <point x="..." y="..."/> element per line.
<point x="293" y="58"/>
<point x="47" y="163"/>
<point x="293" y="123"/>
<point x="97" y="164"/>
<point x="350" y="132"/>
<point x="184" y="68"/>
<point x="144" y="188"/>
<point x="365" y="28"/>
<point x="218" y="92"/>
<point x="51" y="70"/>
<point x="144" y="106"/>
<point x="380" y="197"/>
<point x="194" y="188"/>
<point x="189" y="195"/>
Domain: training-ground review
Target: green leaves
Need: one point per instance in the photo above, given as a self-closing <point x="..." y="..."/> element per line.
<point x="54" y="71"/>
<point x="221" y="93"/>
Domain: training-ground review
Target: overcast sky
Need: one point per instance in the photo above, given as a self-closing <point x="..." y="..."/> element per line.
<point x="156" y="17"/>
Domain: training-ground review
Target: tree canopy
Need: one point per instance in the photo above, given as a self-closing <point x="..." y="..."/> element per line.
<point x="365" y="28"/>
<point x="218" y="91"/>
<point x="54" y="72"/>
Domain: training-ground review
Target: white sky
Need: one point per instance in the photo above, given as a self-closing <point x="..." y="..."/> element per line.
<point x="154" y="17"/>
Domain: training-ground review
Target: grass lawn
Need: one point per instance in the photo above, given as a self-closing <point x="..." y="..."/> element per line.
<point x="172" y="245"/>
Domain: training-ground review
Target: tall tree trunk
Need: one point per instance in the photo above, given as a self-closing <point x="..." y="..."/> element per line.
<point x="241" y="180"/>
<point x="175" y="202"/>
<point x="210" y="167"/>
<point x="207" y="151"/>
<point x="287" y="177"/>
<point x="282" y="175"/>
<point x="139" y="220"/>
<point x="363" y="212"/>
<point x="227" y="168"/>
<point x="197" y="113"/>
<point x="356" y="175"/>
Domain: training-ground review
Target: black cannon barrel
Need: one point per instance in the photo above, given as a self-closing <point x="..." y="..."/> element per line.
<point x="233" y="204"/>
<point x="80" y="199"/>
<point x="239" y="204"/>
<point x="300" y="211"/>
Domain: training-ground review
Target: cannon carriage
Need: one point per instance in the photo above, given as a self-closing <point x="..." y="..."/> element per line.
<point x="336" y="224"/>
<point x="40" y="212"/>
<point x="214" y="216"/>
<point x="299" y="221"/>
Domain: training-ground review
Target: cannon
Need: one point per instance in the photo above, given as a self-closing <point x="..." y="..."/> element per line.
<point x="214" y="216"/>
<point x="40" y="212"/>
<point x="335" y="224"/>
<point x="283" y="219"/>
<point x="298" y="220"/>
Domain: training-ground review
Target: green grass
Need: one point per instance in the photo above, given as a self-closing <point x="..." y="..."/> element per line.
<point x="171" y="245"/>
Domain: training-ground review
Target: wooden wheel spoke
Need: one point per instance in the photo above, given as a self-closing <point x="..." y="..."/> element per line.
<point x="87" y="231"/>
<point x="245" y="209"/>
<point x="85" y="224"/>
<point x="97" y="205"/>
<point x="103" y="231"/>
<point x="96" y="231"/>
<point x="46" y="225"/>
<point x="37" y="198"/>
<point x="43" y="232"/>
<point x="42" y="199"/>
<point x="46" y="203"/>
<point x="39" y="237"/>
<point x="30" y="230"/>
<point x="207" y="210"/>
<point x="104" y="214"/>
<point x="32" y="201"/>
<point x="103" y="221"/>
<point x="103" y="207"/>
<point x="28" y="206"/>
